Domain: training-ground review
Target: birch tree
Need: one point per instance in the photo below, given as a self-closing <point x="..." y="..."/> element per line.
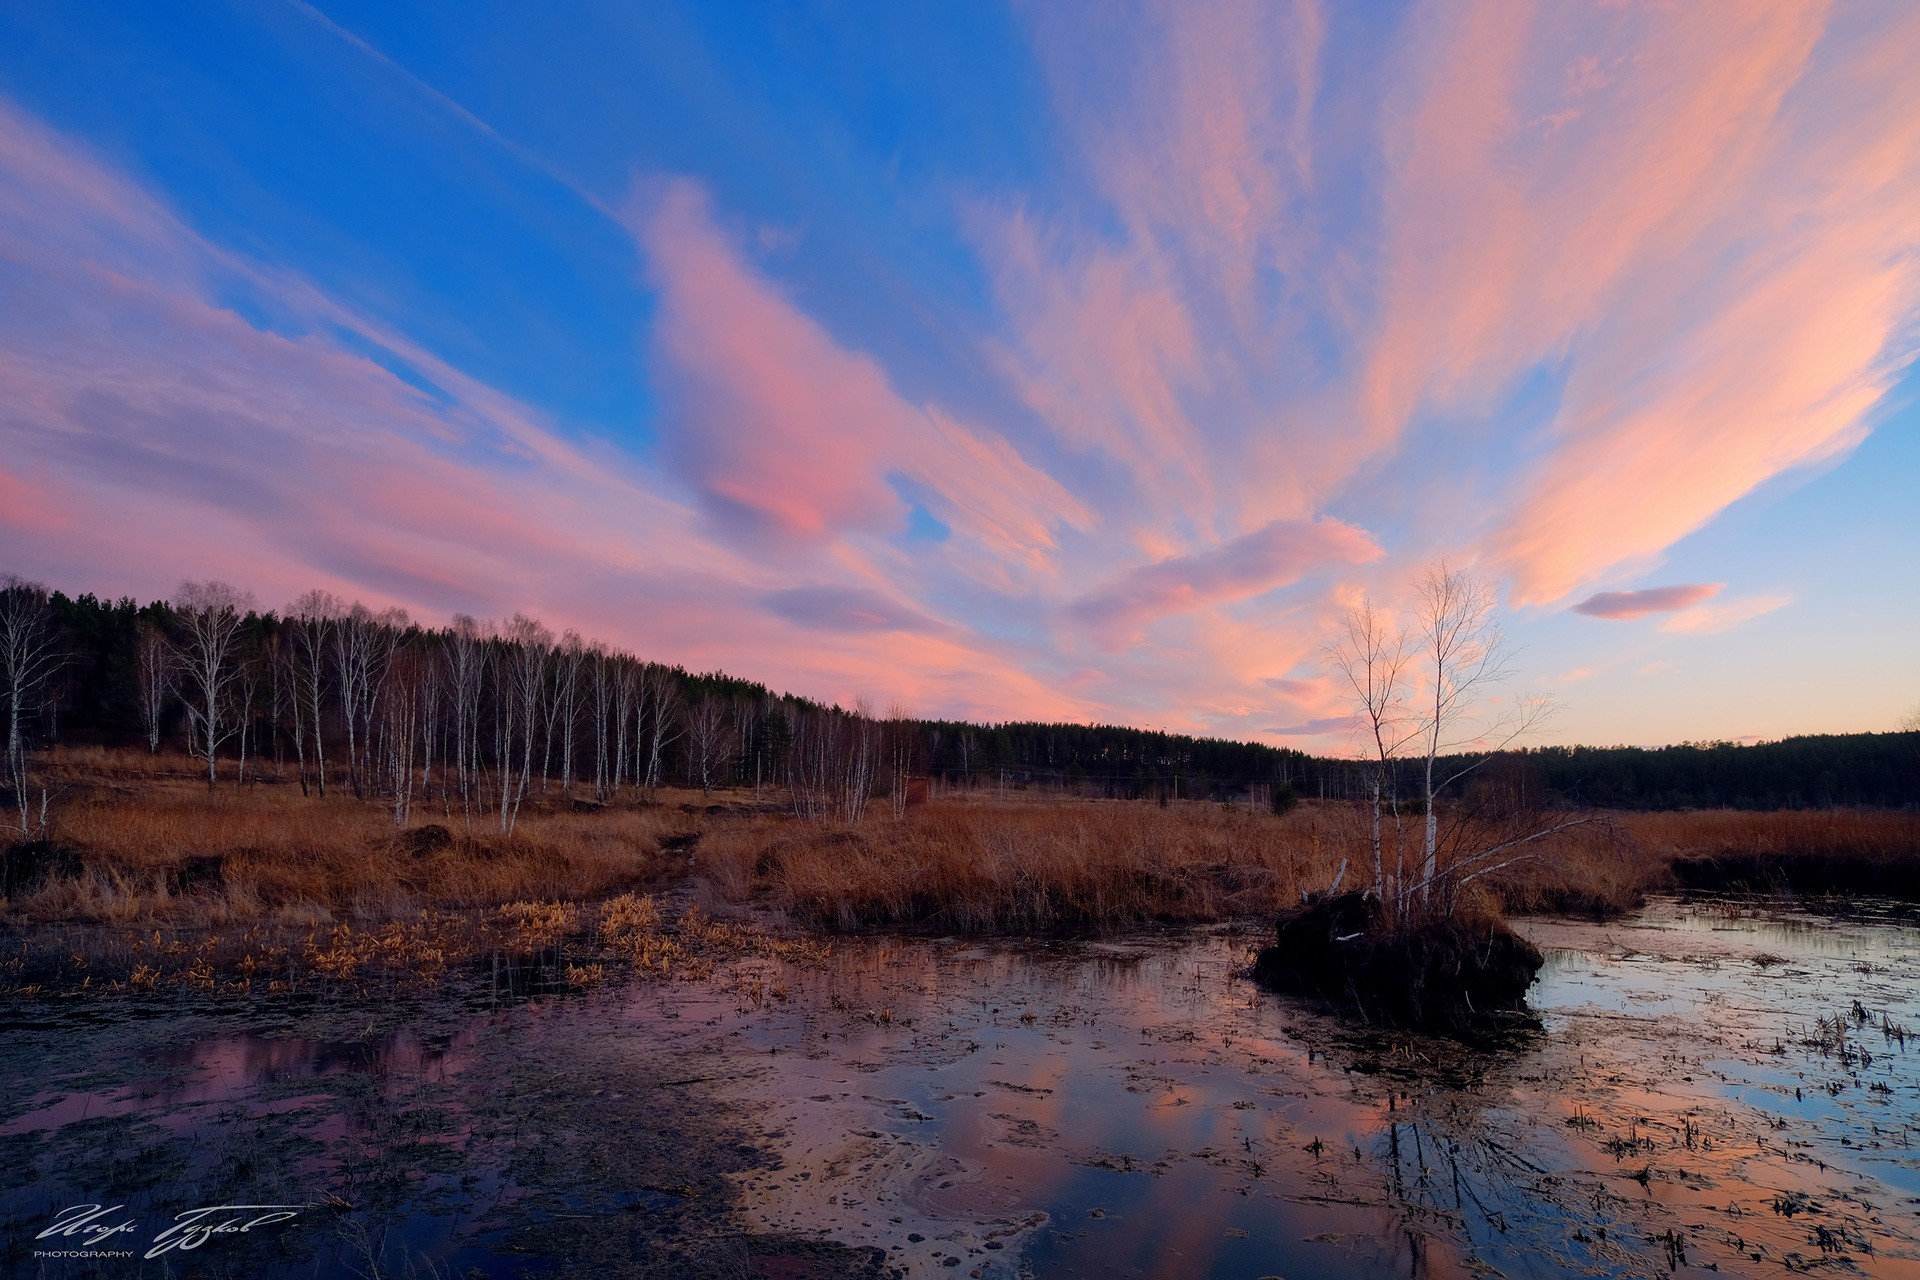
<point x="153" y="675"/>
<point x="709" y="740"/>
<point x="526" y="652"/>
<point x="30" y="655"/>
<point x="602" y="675"/>
<point x="287" y="674"/>
<point x="211" y="616"/>
<point x="660" y="700"/>
<point x="363" y="644"/>
<point x="312" y="620"/>
<point x="563" y="706"/>
<point x="464" y="658"/>
<point x="1464" y="656"/>
<point x="1370" y="658"/>
<point x="626" y="698"/>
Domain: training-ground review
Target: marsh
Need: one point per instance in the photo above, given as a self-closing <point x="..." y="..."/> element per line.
<point x="1712" y="1086"/>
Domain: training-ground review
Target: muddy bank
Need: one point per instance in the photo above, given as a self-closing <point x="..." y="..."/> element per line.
<point x="1812" y="876"/>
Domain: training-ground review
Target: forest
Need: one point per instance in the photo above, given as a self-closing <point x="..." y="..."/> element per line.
<point x="473" y="716"/>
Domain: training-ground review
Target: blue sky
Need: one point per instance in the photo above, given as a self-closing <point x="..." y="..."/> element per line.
<point x="1062" y="361"/>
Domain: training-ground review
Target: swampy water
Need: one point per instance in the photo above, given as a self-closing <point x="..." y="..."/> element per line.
<point x="1712" y="1087"/>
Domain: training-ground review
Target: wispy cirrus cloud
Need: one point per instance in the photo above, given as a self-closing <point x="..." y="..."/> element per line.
<point x="785" y="433"/>
<point x="1627" y="605"/>
<point x="1276" y="555"/>
<point x="1255" y="336"/>
<point x="1713" y="619"/>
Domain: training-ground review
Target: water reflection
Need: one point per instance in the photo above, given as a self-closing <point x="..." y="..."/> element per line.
<point x="1711" y="1089"/>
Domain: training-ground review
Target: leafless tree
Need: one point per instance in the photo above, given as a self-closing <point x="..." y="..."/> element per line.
<point x="286" y="674"/>
<point x="563" y="706"/>
<point x="211" y="616"/>
<point x="1370" y="658"/>
<point x="626" y="701"/>
<point x="428" y="679"/>
<point x="405" y="697"/>
<point x="810" y="762"/>
<point x="30" y="655"/>
<point x="1429" y="690"/>
<point x="860" y="759"/>
<point x="312" y="619"/>
<point x="153" y="672"/>
<point x="464" y="658"/>
<point x="710" y="740"/>
<point x="660" y="702"/>
<point x="246" y="685"/>
<point x="1464" y="656"/>
<point x="528" y="649"/>
<point x="898" y="736"/>
<point x="363" y="644"/>
<point x="152" y="678"/>
<point x="602" y="679"/>
<point x="750" y="720"/>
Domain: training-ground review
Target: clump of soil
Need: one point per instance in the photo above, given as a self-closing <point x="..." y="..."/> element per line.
<point x="1449" y="976"/>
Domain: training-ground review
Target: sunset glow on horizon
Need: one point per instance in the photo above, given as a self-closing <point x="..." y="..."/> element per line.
<point x="1053" y="362"/>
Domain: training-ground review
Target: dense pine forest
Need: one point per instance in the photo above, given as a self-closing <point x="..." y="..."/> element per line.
<point x="478" y="714"/>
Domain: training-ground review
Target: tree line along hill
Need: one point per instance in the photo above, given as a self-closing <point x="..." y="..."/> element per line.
<point x="94" y="699"/>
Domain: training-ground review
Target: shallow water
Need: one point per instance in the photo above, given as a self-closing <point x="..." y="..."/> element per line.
<point x="1131" y="1107"/>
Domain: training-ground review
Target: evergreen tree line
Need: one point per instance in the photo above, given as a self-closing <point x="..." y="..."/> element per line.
<point x="474" y="717"/>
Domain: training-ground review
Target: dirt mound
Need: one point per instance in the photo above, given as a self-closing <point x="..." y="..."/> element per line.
<point x="424" y="841"/>
<point x="1449" y="976"/>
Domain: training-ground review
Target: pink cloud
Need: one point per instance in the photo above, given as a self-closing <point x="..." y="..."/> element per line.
<point x="787" y="434"/>
<point x="1713" y="619"/>
<point x="1281" y="553"/>
<point x="1620" y="605"/>
<point x="1330" y="726"/>
<point x="1718" y="250"/>
<point x="175" y="439"/>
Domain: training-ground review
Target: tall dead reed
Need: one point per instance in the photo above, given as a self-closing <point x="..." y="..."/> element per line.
<point x="1024" y="866"/>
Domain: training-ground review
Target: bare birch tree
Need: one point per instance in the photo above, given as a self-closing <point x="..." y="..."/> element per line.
<point x="363" y="644"/>
<point x="464" y="658"/>
<point x="312" y="619"/>
<point x="527" y="650"/>
<point x="660" y="701"/>
<point x="1464" y="656"/>
<point x="404" y="695"/>
<point x="30" y="655"/>
<point x="602" y="675"/>
<point x="153" y="673"/>
<point x="211" y="615"/>
<point x="287" y="673"/>
<point x="709" y="740"/>
<point x="563" y="706"/>
<point x="626" y="699"/>
<point x="1371" y="660"/>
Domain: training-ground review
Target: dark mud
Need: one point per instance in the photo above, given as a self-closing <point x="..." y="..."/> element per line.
<point x="1707" y="1093"/>
<point x="1814" y="876"/>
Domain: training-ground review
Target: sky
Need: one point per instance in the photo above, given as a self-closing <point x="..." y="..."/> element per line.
<point x="1065" y="361"/>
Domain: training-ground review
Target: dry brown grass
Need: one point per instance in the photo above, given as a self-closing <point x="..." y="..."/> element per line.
<point x="1875" y="833"/>
<point x="1030" y="865"/>
<point x="1611" y="865"/>
<point x="143" y="842"/>
<point x="167" y="849"/>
